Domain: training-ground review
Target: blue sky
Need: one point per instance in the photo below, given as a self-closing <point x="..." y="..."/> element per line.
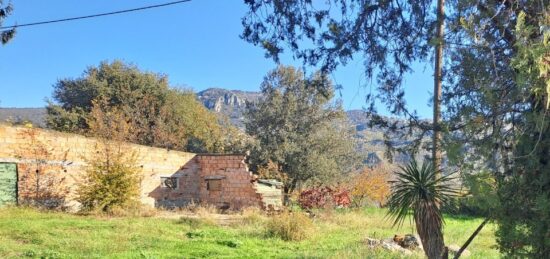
<point x="196" y="44"/>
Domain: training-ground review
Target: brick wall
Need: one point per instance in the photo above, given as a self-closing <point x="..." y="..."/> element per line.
<point x="57" y="161"/>
<point x="235" y="188"/>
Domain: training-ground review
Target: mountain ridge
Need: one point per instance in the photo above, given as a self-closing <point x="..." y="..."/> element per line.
<point x="232" y="104"/>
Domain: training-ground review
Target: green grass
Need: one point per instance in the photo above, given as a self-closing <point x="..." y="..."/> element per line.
<point x="339" y="234"/>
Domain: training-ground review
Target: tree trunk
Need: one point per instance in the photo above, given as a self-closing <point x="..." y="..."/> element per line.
<point x="288" y="189"/>
<point x="286" y="196"/>
<point x="436" y="154"/>
<point x="435" y="245"/>
<point x="429" y="226"/>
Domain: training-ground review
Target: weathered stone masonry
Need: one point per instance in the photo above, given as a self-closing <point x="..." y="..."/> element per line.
<point x="221" y="180"/>
<point x="169" y="178"/>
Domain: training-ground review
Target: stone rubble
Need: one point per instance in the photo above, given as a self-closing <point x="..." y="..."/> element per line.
<point x="405" y="244"/>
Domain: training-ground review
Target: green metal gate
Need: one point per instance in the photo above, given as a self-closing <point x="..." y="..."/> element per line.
<point x="8" y="184"/>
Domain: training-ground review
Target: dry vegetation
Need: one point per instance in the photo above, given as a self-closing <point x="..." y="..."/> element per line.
<point x="371" y="186"/>
<point x="290" y="226"/>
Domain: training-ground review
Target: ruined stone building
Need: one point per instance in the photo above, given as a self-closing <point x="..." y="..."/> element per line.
<point x="45" y="166"/>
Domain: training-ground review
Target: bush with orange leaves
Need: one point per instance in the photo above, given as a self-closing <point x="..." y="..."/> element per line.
<point x="371" y="186"/>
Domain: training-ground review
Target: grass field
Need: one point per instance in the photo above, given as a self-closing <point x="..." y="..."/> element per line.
<point x="26" y="232"/>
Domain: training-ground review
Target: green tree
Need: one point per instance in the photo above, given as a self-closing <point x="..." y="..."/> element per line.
<point x="490" y="110"/>
<point x="157" y="114"/>
<point x="298" y="128"/>
<point x="524" y="219"/>
<point x="420" y="189"/>
<point x="5" y="10"/>
<point x="186" y="118"/>
<point x="482" y="98"/>
<point x="497" y="100"/>
<point x="389" y="36"/>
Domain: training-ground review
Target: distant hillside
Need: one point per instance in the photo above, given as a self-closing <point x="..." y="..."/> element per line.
<point x="35" y="115"/>
<point x="233" y="103"/>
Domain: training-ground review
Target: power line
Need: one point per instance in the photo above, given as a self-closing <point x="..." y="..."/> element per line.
<point x="94" y="15"/>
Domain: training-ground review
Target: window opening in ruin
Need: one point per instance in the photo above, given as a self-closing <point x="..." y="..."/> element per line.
<point x="169" y="182"/>
<point x="214" y="184"/>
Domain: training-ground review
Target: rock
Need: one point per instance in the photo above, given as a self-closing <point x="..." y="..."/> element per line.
<point x="408" y="241"/>
<point x="390" y="245"/>
<point x="453" y="249"/>
<point x="371" y="242"/>
<point x="398" y="238"/>
<point x="231" y="103"/>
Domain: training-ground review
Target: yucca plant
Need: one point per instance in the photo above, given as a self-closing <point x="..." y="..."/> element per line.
<point x="420" y="190"/>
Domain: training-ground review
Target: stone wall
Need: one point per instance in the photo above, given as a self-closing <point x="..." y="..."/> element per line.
<point x="51" y="163"/>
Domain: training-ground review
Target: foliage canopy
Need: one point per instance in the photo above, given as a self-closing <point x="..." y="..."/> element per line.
<point x="157" y="115"/>
<point x="298" y="129"/>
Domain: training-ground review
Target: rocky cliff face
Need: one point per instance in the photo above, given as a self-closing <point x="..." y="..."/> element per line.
<point x="231" y="103"/>
<point x="217" y="99"/>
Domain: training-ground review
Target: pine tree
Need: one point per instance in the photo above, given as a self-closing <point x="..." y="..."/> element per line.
<point x="5" y="11"/>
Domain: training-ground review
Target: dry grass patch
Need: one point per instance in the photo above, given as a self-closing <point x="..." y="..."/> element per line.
<point x="253" y="216"/>
<point x="290" y="226"/>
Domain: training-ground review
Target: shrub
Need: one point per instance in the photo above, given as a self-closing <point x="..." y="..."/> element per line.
<point x="324" y="197"/>
<point x="111" y="181"/>
<point x="290" y="226"/>
<point x="252" y="216"/>
<point x="370" y="186"/>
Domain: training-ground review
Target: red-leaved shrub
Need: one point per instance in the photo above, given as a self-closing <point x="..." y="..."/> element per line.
<point x="324" y="197"/>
